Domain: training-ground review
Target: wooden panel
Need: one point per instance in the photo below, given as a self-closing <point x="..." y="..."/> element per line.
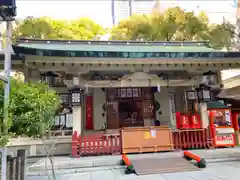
<point x="112" y="115"/>
<point x="148" y="109"/>
<point x="142" y="139"/>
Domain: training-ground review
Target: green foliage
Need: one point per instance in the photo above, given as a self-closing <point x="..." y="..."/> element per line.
<point x="174" y="24"/>
<point x="47" y="28"/>
<point x="32" y="108"/>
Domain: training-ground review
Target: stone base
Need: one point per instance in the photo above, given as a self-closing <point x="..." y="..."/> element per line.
<point x="38" y="147"/>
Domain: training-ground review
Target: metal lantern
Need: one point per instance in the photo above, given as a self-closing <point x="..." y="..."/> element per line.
<point x="8" y="9"/>
<point x="209" y="78"/>
<point x="49" y="78"/>
<point x="204" y="95"/>
<point x="75" y="95"/>
<point x="191" y="95"/>
<point x="65" y="98"/>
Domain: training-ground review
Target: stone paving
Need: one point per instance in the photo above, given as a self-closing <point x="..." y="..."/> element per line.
<point x="97" y="161"/>
<point x="107" y="167"/>
<point x="214" y="171"/>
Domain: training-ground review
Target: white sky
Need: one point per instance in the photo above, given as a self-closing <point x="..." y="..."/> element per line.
<point x="100" y="10"/>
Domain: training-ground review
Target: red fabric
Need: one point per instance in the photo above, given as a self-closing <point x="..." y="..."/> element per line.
<point x="178" y="119"/>
<point x="184" y="121"/>
<point x="195" y="121"/>
<point x="89" y="112"/>
<point x="235" y="121"/>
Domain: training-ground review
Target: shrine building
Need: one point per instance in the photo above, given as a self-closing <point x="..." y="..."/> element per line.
<point x="124" y="83"/>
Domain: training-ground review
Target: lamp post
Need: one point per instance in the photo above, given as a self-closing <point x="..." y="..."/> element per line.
<point x="7" y="14"/>
<point x="203" y="94"/>
<point x="6" y="77"/>
<point x="76" y="96"/>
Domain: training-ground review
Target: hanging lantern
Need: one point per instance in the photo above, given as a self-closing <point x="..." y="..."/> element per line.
<point x="49" y="78"/>
<point x="204" y="94"/>
<point x="191" y="95"/>
<point x="209" y="78"/>
<point x="64" y="98"/>
<point x="8" y="9"/>
<point x="75" y="95"/>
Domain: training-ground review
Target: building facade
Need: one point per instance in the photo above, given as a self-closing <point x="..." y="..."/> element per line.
<point x="125" y="83"/>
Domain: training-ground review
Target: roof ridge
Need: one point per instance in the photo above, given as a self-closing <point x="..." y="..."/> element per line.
<point x="95" y="42"/>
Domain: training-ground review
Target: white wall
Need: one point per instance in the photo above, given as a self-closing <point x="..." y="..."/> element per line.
<point x="99" y="98"/>
<point x="180" y="102"/>
<point x="163" y="100"/>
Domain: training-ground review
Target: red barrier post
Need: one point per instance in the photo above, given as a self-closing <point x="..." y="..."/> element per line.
<point x="126" y="161"/>
<point x="75" y="144"/>
<point x="200" y="162"/>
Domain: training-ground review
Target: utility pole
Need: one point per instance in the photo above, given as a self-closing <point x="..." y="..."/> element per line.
<point x="7" y="14"/>
<point x="7" y="79"/>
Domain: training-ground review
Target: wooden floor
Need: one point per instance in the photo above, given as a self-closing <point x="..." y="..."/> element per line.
<point x="162" y="165"/>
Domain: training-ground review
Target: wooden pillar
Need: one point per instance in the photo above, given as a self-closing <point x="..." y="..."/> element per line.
<point x="204" y="114"/>
<point x="26" y="72"/>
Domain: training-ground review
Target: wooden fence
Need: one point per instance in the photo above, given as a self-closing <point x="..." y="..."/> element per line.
<point x="95" y="144"/>
<point x="192" y="139"/>
<point x="100" y="143"/>
<point x="16" y="166"/>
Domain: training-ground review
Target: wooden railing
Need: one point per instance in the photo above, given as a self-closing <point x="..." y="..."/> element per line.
<point x="16" y="166"/>
<point x="100" y="143"/>
<point x="95" y="144"/>
<point x="192" y="138"/>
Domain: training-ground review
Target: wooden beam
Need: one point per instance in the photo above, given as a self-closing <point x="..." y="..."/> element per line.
<point x="150" y="83"/>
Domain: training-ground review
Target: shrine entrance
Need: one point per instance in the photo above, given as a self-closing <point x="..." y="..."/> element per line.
<point x="129" y="107"/>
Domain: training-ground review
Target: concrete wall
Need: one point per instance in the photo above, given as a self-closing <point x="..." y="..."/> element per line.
<point x="34" y="75"/>
<point x="99" y="99"/>
<point x="163" y="100"/>
<point x="168" y="111"/>
<point x="63" y="146"/>
<point x="180" y="102"/>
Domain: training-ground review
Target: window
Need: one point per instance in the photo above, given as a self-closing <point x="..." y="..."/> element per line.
<point x="124" y="93"/>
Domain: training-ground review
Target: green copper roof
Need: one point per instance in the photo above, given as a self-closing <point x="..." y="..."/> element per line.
<point x="116" y="47"/>
<point x="120" y="49"/>
<point x="216" y="105"/>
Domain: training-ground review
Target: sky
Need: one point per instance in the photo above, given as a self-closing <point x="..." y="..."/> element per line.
<point x="100" y="10"/>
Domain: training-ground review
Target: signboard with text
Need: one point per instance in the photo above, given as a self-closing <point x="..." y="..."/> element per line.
<point x="225" y="140"/>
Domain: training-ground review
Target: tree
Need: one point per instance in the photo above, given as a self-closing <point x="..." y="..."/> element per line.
<point x="173" y="24"/>
<point x="48" y="28"/>
<point x="221" y="35"/>
<point x="32" y="109"/>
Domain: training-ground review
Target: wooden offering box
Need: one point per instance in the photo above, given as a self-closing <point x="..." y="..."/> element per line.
<point x="146" y="139"/>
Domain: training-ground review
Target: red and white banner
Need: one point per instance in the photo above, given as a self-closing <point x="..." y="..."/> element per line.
<point x="225" y="140"/>
<point x="89" y="112"/>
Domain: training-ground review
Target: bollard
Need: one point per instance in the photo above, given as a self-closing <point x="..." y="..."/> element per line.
<point x="122" y="163"/>
<point x="200" y="162"/>
<point x="126" y="161"/>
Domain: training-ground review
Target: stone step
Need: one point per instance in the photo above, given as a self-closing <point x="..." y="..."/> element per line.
<point x="211" y="156"/>
<point x="45" y="172"/>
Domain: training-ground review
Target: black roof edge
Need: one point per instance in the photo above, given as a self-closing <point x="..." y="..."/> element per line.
<point x="14" y="57"/>
<point x="48" y="41"/>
